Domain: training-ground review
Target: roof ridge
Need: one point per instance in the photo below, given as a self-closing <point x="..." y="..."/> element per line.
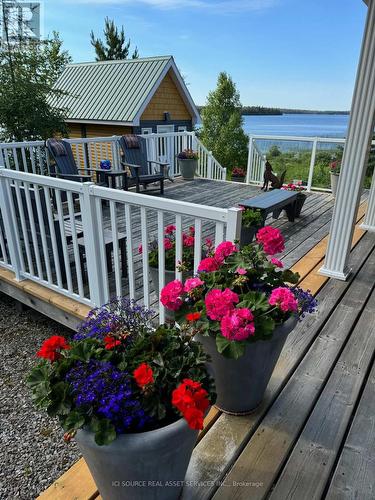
<point x="121" y="61"/>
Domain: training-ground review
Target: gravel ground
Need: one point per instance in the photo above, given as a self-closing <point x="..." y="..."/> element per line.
<point x="33" y="453"/>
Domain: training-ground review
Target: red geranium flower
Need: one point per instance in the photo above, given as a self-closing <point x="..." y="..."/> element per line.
<point x="143" y="375"/>
<point x="193" y="316"/>
<point x="192" y="401"/>
<point x="194" y="418"/>
<point x="51" y="348"/>
<point x="110" y="342"/>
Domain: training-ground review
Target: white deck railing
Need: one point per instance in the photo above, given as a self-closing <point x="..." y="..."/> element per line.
<point x="81" y="240"/>
<point x="260" y="144"/>
<point x="32" y="157"/>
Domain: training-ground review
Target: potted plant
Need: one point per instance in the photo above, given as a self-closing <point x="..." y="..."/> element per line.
<point x="252" y="221"/>
<point x="238" y="174"/>
<point x="188" y="163"/>
<point x="133" y="396"/>
<point x="301" y="197"/>
<point x="334" y="170"/>
<point x="242" y="306"/>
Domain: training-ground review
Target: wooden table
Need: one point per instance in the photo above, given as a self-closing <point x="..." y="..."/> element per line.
<point x="273" y="201"/>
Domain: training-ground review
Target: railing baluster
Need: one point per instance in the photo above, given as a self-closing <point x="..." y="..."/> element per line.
<point x="197" y="243"/>
<point x="161" y="262"/>
<point x="52" y="231"/>
<point x="219" y="233"/>
<point x="129" y="250"/>
<point x="102" y="250"/>
<point x="116" y="253"/>
<point x="179" y="244"/>
<point x="145" y="264"/>
<point x="75" y="244"/>
<point x="42" y="222"/>
<point x="24" y="227"/>
<point x="30" y="213"/>
<point x="63" y="240"/>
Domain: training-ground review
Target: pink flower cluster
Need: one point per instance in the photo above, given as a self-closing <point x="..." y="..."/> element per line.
<point x="271" y="239"/>
<point x="224" y="250"/>
<point x="284" y="299"/>
<point x="277" y="262"/>
<point x="220" y="303"/>
<point x="170" y="295"/>
<point x="192" y="283"/>
<point x="238" y="324"/>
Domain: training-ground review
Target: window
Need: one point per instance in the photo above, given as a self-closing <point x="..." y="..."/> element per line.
<point x="165" y="129"/>
<point x="182" y="128"/>
<point x="146" y="131"/>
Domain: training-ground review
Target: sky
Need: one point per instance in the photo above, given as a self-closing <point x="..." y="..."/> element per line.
<point x="280" y="53"/>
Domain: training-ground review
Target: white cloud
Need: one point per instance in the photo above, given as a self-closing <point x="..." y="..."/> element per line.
<point x="213" y="6"/>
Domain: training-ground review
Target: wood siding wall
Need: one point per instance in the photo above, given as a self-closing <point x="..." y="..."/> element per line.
<point x="93" y="130"/>
<point x="166" y="98"/>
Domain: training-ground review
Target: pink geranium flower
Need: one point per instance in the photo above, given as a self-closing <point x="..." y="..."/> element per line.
<point x="219" y="303"/>
<point x="140" y="249"/>
<point x="284" y="299"/>
<point x="277" y="262"/>
<point x="168" y="245"/>
<point x="271" y="239"/>
<point x="238" y="324"/>
<point x="192" y="283"/>
<point x="188" y="241"/>
<point x="170" y="295"/>
<point x="208" y="265"/>
<point x="224" y="250"/>
<point x="241" y="271"/>
<point x="170" y="229"/>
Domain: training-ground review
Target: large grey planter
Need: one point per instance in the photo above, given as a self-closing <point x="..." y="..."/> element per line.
<point x="188" y="168"/>
<point x="144" y="466"/>
<point x="334" y="183"/>
<point x="241" y="383"/>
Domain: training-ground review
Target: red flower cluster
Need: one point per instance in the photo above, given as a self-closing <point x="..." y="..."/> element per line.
<point x="192" y="401"/>
<point x="193" y="316"/>
<point x="51" y="348"/>
<point x="110" y="342"/>
<point x="143" y="375"/>
<point x="271" y="239"/>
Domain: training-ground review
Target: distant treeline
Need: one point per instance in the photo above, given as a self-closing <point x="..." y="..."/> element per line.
<point x="261" y="110"/>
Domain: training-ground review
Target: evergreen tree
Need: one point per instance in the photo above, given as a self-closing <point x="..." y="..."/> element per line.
<point x="222" y="131"/>
<point x="28" y="72"/>
<point x="115" y="45"/>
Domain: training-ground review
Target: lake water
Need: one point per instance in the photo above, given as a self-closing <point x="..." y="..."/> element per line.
<point x="312" y="125"/>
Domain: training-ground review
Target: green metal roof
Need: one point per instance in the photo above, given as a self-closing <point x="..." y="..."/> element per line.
<point x="110" y="91"/>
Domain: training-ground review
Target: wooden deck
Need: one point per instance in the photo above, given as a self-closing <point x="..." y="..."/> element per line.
<point x="300" y="236"/>
<point x="313" y="436"/>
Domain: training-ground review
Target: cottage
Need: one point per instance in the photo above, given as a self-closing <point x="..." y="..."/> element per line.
<point x="128" y="96"/>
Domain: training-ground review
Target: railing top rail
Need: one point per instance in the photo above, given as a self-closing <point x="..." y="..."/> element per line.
<point x="87" y="140"/>
<point x="21" y="144"/>
<point x="164" y="204"/>
<point x="42" y="180"/>
<point x="297" y="138"/>
<point x="168" y="134"/>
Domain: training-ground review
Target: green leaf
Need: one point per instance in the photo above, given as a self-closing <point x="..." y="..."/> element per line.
<point x="60" y="399"/>
<point x="230" y="348"/>
<point x="256" y="301"/>
<point x="105" y="433"/>
<point x="290" y="277"/>
<point x="264" y="326"/>
<point x="75" y="420"/>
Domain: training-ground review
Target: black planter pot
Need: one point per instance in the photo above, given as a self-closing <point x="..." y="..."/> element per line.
<point x="237" y="179"/>
<point x="247" y="235"/>
<point x="301" y="198"/>
<point x="241" y="383"/>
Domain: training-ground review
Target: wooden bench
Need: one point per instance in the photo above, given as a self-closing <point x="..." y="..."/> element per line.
<point x="273" y="201"/>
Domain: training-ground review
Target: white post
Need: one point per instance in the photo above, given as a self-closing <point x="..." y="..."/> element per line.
<point x="10" y="227"/>
<point x="249" y="159"/>
<point x="369" y="222"/>
<point x="357" y="147"/>
<point x="312" y="164"/>
<point x="234" y="222"/>
<point x="95" y="272"/>
<point x="209" y="165"/>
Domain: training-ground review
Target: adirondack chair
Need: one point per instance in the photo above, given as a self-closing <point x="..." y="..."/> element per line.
<point x="66" y="167"/>
<point x="134" y="150"/>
